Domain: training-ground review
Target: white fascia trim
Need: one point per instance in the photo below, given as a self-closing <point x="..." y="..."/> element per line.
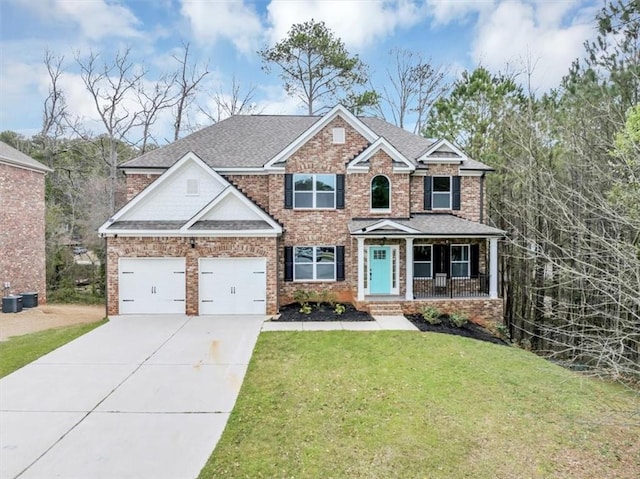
<point x="389" y="223"/>
<point x="188" y="157"/>
<point x="44" y="170"/>
<point x="443" y="161"/>
<point x="242" y="171"/>
<point x="230" y="190"/>
<point x="381" y="144"/>
<point x="462" y="172"/>
<point x="196" y="234"/>
<point x="424" y="157"/>
<point x="336" y="111"/>
<point x="143" y="171"/>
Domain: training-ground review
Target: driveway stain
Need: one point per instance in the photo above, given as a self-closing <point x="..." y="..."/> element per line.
<point x="214" y="350"/>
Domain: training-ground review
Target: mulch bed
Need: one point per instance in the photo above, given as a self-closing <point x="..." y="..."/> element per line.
<point x="291" y="312"/>
<point x="469" y="330"/>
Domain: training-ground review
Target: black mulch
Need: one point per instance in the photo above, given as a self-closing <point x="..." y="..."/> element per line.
<point x="469" y="330"/>
<point x="291" y="312"/>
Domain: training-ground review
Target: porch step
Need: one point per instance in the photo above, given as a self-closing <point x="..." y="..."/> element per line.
<point x="385" y="309"/>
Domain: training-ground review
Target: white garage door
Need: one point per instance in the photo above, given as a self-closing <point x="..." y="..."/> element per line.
<point x="152" y="285"/>
<point x="233" y="285"/>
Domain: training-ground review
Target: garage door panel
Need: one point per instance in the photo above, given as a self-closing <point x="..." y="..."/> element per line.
<point x="233" y="285"/>
<point x="152" y="286"/>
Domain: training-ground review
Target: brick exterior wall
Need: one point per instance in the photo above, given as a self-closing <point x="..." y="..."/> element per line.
<point x="134" y="247"/>
<point x="138" y="182"/>
<point x="483" y="311"/>
<point x="22" y="231"/>
<point x="469" y="193"/>
<point x="255" y="187"/>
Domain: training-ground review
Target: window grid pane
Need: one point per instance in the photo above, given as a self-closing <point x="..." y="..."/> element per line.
<point x="314" y="263"/>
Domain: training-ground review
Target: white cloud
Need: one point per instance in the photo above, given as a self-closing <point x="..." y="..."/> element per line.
<point x="444" y="12"/>
<point x="96" y="19"/>
<point x="229" y="19"/>
<point x="518" y="33"/>
<point x="356" y="22"/>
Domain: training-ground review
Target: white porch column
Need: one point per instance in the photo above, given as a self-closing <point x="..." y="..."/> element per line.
<point x="493" y="267"/>
<point x="409" y="269"/>
<point x="361" y="271"/>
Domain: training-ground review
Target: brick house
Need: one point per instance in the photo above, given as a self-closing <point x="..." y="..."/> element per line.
<point x="22" y="223"/>
<point x="238" y="216"/>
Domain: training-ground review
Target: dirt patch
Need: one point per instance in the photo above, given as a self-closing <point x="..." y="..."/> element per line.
<point x="46" y="317"/>
<point x="326" y="312"/>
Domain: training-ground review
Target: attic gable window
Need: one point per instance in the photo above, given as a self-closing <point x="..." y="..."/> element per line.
<point x="338" y="136"/>
<point x="193" y="187"/>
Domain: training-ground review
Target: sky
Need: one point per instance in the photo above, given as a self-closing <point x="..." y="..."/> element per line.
<point x="224" y="35"/>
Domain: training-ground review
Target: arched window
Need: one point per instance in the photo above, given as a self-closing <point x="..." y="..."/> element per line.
<point x="380" y="198"/>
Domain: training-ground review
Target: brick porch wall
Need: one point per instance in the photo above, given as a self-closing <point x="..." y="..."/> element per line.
<point x="483" y="311"/>
<point x="22" y="231"/>
<point x="134" y="247"/>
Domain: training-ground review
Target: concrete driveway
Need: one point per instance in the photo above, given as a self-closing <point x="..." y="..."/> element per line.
<point x="140" y="397"/>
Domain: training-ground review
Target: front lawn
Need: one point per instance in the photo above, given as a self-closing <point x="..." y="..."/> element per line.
<point x="19" y="351"/>
<point x="389" y="404"/>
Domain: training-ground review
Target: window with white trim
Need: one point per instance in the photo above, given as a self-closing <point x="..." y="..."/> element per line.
<point x="314" y="191"/>
<point x="314" y="263"/>
<point x="441" y="193"/>
<point x="422" y="261"/>
<point x="380" y="193"/>
<point x="460" y="261"/>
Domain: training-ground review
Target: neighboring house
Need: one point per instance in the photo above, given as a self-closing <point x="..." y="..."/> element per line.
<point x="238" y="216"/>
<point x="22" y="223"/>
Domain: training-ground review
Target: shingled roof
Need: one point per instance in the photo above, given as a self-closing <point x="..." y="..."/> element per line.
<point x="432" y="224"/>
<point x="250" y="141"/>
<point x="11" y="156"/>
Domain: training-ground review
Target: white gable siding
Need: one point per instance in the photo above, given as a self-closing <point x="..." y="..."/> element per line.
<point x="231" y="208"/>
<point x="170" y="201"/>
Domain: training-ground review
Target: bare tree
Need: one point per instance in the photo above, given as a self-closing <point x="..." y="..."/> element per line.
<point x="112" y="86"/>
<point x="235" y="102"/>
<point x="414" y="85"/>
<point x="153" y="100"/>
<point x="188" y="78"/>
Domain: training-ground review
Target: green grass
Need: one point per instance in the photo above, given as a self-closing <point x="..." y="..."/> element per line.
<point x="407" y="405"/>
<point x="19" y="351"/>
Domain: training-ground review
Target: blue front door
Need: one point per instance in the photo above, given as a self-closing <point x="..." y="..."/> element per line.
<point x="379" y="270"/>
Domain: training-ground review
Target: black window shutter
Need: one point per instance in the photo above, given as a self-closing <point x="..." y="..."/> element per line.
<point x="455" y="189"/>
<point x="475" y="260"/>
<point x="288" y="263"/>
<point x="339" y="263"/>
<point x="288" y="191"/>
<point x="427" y="192"/>
<point x="340" y="192"/>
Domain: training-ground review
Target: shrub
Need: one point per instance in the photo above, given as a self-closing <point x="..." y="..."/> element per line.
<point x="339" y="309"/>
<point x="458" y="319"/>
<point x="305" y="308"/>
<point x="431" y="315"/>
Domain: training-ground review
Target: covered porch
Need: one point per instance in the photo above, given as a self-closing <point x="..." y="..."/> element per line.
<point x="431" y="256"/>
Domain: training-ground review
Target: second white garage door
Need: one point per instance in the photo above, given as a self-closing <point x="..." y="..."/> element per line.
<point x="233" y="285"/>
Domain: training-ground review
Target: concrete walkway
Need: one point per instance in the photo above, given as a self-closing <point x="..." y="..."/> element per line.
<point x="393" y="323"/>
<point x="140" y="397"/>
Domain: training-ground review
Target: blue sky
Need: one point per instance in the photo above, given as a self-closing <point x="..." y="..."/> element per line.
<point x="225" y="34"/>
